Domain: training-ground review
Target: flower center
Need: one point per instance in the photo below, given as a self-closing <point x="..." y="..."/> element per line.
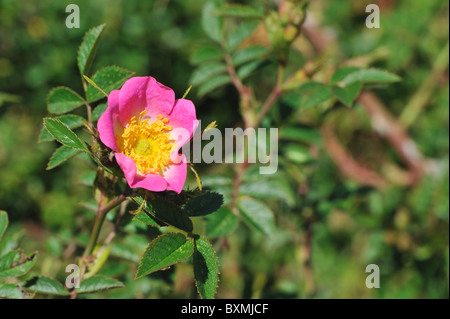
<point x="149" y="145"/>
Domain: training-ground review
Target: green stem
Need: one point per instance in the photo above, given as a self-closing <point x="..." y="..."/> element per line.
<point x="99" y="219"/>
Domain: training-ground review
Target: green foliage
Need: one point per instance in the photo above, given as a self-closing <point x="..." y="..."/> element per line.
<point x="221" y="223"/>
<point x="312" y="228"/>
<point x="108" y="78"/>
<point x="10" y="291"/>
<point x="204" y="204"/>
<point x="46" y="285"/>
<point x="213" y="84"/>
<point x="13" y="263"/>
<point x="71" y="120"/>
<point x="238" y="11"/>
<point x="212" y="24"/>
<point x="239" y="34"/>
<point x="206" y="268"/>
<point x="348" y="93"/>
<point x="88" y="48"/>
<point x="61" y="100"/>
<point x="206" y="72"/>
<point x="98" y="283"/>
<point x="3" y="223"/>
<point x="371" y="76"/>
<point x="258" y="215"/>
<point x="63" y="134"/>
<point x="166" y="250"/>
<point x="248" y="54"/>
<point x="61" y="155"/>
<point x="206" y="54"/>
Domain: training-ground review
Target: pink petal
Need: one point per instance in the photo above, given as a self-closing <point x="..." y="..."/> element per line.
<point x="151" y="182"/>
<point x="132" y="99"/>
<point x="160" y="99"/>
<point x="108" y="125"/>
<point x="175" y="175"/>
<point x="184" y="121"/>
<point x="144" y="93"/>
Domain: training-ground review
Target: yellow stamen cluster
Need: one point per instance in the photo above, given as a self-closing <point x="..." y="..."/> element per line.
<point x="149" y="145"/>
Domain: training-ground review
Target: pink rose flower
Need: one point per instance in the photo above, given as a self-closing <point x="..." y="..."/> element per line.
<point x="146" y="127"/>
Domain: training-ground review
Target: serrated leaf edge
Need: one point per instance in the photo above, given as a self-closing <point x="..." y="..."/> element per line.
<point x="82" y="41"/>
<point x="108" y="66"/>
<point x="121" y="285"/>
<point x="218" y="269"/>
<point x="52" y="118"/>
<point x="148" y="246"/>
<point x="69" y="89"/>
<point x="48" y="168"/>
<point x="45" y="293"/>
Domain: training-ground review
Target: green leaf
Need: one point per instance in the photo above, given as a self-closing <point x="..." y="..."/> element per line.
<point x="213" y="84"/>
<point x="258" y="215"/>
<point x="205" y="204"/>
<point x="10" y="291"/>
<point x="61" y="155"/>
<point x="207" y="71"/>
<point x="108" y="78"/>
<point x="21" y="269"/>
<point x="61" y="100"/>
<point x="171" y="214"/>
<point x="349" y="93"/>
<point x="268" y="189"/>
<point x="206" y="54"/>
<point x="98" y="283"/>
<point x="88" y="48"/>
<point x="3" y="223"/>
<point x="206" y="268"/>
<point x="99" y="89"/>
<point x="166" y="213"/>
<point x="7" y="259"/>
<point x="238" y="11"/>
<point x="72" y="121"/>
<point x="301" y="134"/>
<point x="297" y="153"/>
<point x="144" y="218"/>
<point x="293" y="99"/>
<point x="342" y="73"/>
<point x="249" y="54"/>
<point x="63" y="134"/>
<point x="88" y="178"/>
<point x="98" y="111"/>
<point x="247" y="69"/>
<point x="318" y="96"/>
<point x="239" y="34"/>
<point x="124" y="252"/>
<point x="221" y="223"/>
<point x="371" y="76"/>
<point x="46" y="285"/>
<point x="212" y="24"/>
<point x="164" y="251"/>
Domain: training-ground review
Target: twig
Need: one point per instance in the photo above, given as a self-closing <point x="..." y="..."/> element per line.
<point x="244" y="93"/>
<point x="422" y="96"/>
<point x="347" y="164"/>
<point x="382" y="120"/>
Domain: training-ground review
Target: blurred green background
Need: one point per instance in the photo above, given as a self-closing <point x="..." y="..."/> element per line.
<point x="403" y="229"/>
